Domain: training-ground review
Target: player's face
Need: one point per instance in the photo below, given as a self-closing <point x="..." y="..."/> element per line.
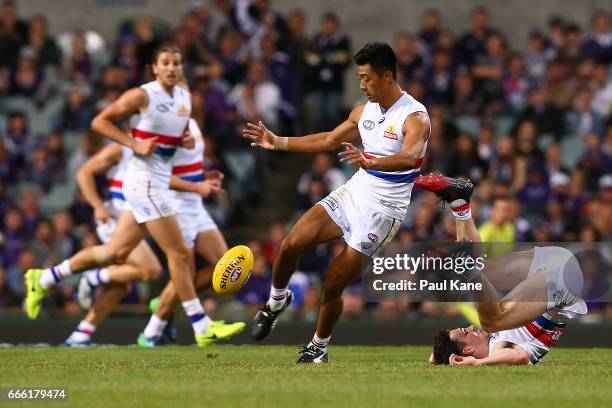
<point x="168" y="68"/>
<point x="370" y="82"/>
<point x="470" y="337"/>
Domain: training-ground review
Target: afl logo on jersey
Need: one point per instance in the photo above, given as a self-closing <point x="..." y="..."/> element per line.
<point x="162" y="108"/>
<point x="368" y="124"/>
<point x="373" y="237"/>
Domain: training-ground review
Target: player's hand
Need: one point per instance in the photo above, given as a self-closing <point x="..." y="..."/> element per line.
<point x="260" y="135"/>
<point x="207" y="188"/>
<point x="188" y="141"/>
<point x="102" y="214"/>
<point x="354" y="156"/>
<point x="214" y="175"/>
<point x="145" y="147"/>
<point x="462" y="360"/>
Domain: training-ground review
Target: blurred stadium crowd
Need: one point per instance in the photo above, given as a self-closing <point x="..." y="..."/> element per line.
<point x="530" y="127"/>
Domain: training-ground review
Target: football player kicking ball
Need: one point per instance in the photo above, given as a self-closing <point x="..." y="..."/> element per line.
<point x="545" y="282"/>
<point x="201" y="235"/>
<point x="366" y="211"/>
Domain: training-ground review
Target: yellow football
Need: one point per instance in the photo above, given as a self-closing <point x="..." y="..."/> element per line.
<point x="233" y="270"/>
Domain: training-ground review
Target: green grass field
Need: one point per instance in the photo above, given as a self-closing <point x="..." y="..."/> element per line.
<point x="266" y="376"/>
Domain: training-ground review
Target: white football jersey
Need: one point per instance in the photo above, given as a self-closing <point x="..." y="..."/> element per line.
<point x="114" y="179"/>
<point x="166" y="118"/>
<point x="537" y="337"/>
<point x="381" y="135"/>
<point x="188" y="164"/>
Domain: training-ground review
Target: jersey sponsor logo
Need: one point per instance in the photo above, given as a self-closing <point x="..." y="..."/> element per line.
<point x="162" y="108"/>
<point x="368" y="124"/>
<point x="183" y="111"/>
<point x="366" y="246"/>
<point x="381" y="120"/>
<point x="373" y="237"/>
<point x="390" y="133"/>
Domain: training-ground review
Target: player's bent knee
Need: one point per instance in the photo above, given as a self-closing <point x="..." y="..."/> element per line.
<point x="151" y="274"/>
<point x="179" y="255"/>
<point x="332" y="290"/>
<point x="290" y="245"/>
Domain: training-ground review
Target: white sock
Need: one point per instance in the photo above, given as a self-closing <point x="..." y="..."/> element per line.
<point x="84" y="331"/>
<point x="55" y="274"/>
<point x="155" y="327"/>
<point x="98" y="276"/>
<point x="199" y="318"/>
<point x="461" y="209"/>
<point x="277" y="299"/>
<point x="319" y="342"/>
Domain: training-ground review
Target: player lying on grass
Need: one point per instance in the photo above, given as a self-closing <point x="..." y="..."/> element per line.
<point x="546" y="287"/>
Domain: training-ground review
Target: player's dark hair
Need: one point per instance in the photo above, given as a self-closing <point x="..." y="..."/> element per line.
<point x="380" y="56"/>
<point x="165" y="47"/>
<point x="444" y="347"/>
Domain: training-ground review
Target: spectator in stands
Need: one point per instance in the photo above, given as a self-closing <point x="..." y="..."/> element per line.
<point x="316" y="190"/>
<point x="322" y="167"/>
<point x="488" y="70"/>
<point x="467" y="163"/>
<point x="598" y="45"/>
<point x="537" y="56"/>
<point x="411" y="65"/>
<point x="63" y="227"/>
<point x="431" y="26"/>
<point x="257" y="98"/>
<point x="275" y="236"/>
<point x="16" y="141"/>
<point x="516" y="83"/>
<point x="30" y="213"/>
<point x="547" y="116"/>
<point x="146" y="40"/>
<point x="466" y="101"/>
<point x="583" y="119"/>
<point x="6" y="202"/>
<point x="127" y="58"/>
<point x="76" y="115"/>
<point x="14" y="236"/>
<point x="329" y="56"/>
<point x="602" y="90"/>
<point x="280" y="71"/>
<point x="79" y="64"/>
<point x="439" y="78"/>
<point x="44" y="246"/>
<point x="560" y="92"/>
<point x="7" y="297"/>
<point x="13" y="34"/>
<point x="39" y="169"/>
<point x="46" y="50"/>
<point x="232" y="56"/>
<point x="28" y="79"/>
<point x="473" y="44"/>
<point x="499" y="229"/>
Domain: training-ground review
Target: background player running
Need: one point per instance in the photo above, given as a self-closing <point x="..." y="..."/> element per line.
<point x="368" y="210"/>
<point x="164" y="110"/>
<point x="546" y="288"/>
<point x="200" y="233"/>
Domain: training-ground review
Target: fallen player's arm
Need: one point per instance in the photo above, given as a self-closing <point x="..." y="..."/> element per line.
<point x="416" y="132"/>
<point x="506" y="356"/>
<point x="347" y="131"/>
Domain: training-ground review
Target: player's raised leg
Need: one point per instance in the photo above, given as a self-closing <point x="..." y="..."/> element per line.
<point x="314" y="227"/>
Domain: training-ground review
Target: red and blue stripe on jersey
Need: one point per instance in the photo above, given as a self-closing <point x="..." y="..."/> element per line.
<point x="166" y="144"/>
<point x="546" y="331"/>
<point x="193" y="172"/>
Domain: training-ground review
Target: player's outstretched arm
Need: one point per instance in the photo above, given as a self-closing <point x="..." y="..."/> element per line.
<point x="129" y="103"/>
<point x="506" y="356"/>
<point x="99" y="163"/>
<point x="416" y="131"/>
<point x="347" y="131"/>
